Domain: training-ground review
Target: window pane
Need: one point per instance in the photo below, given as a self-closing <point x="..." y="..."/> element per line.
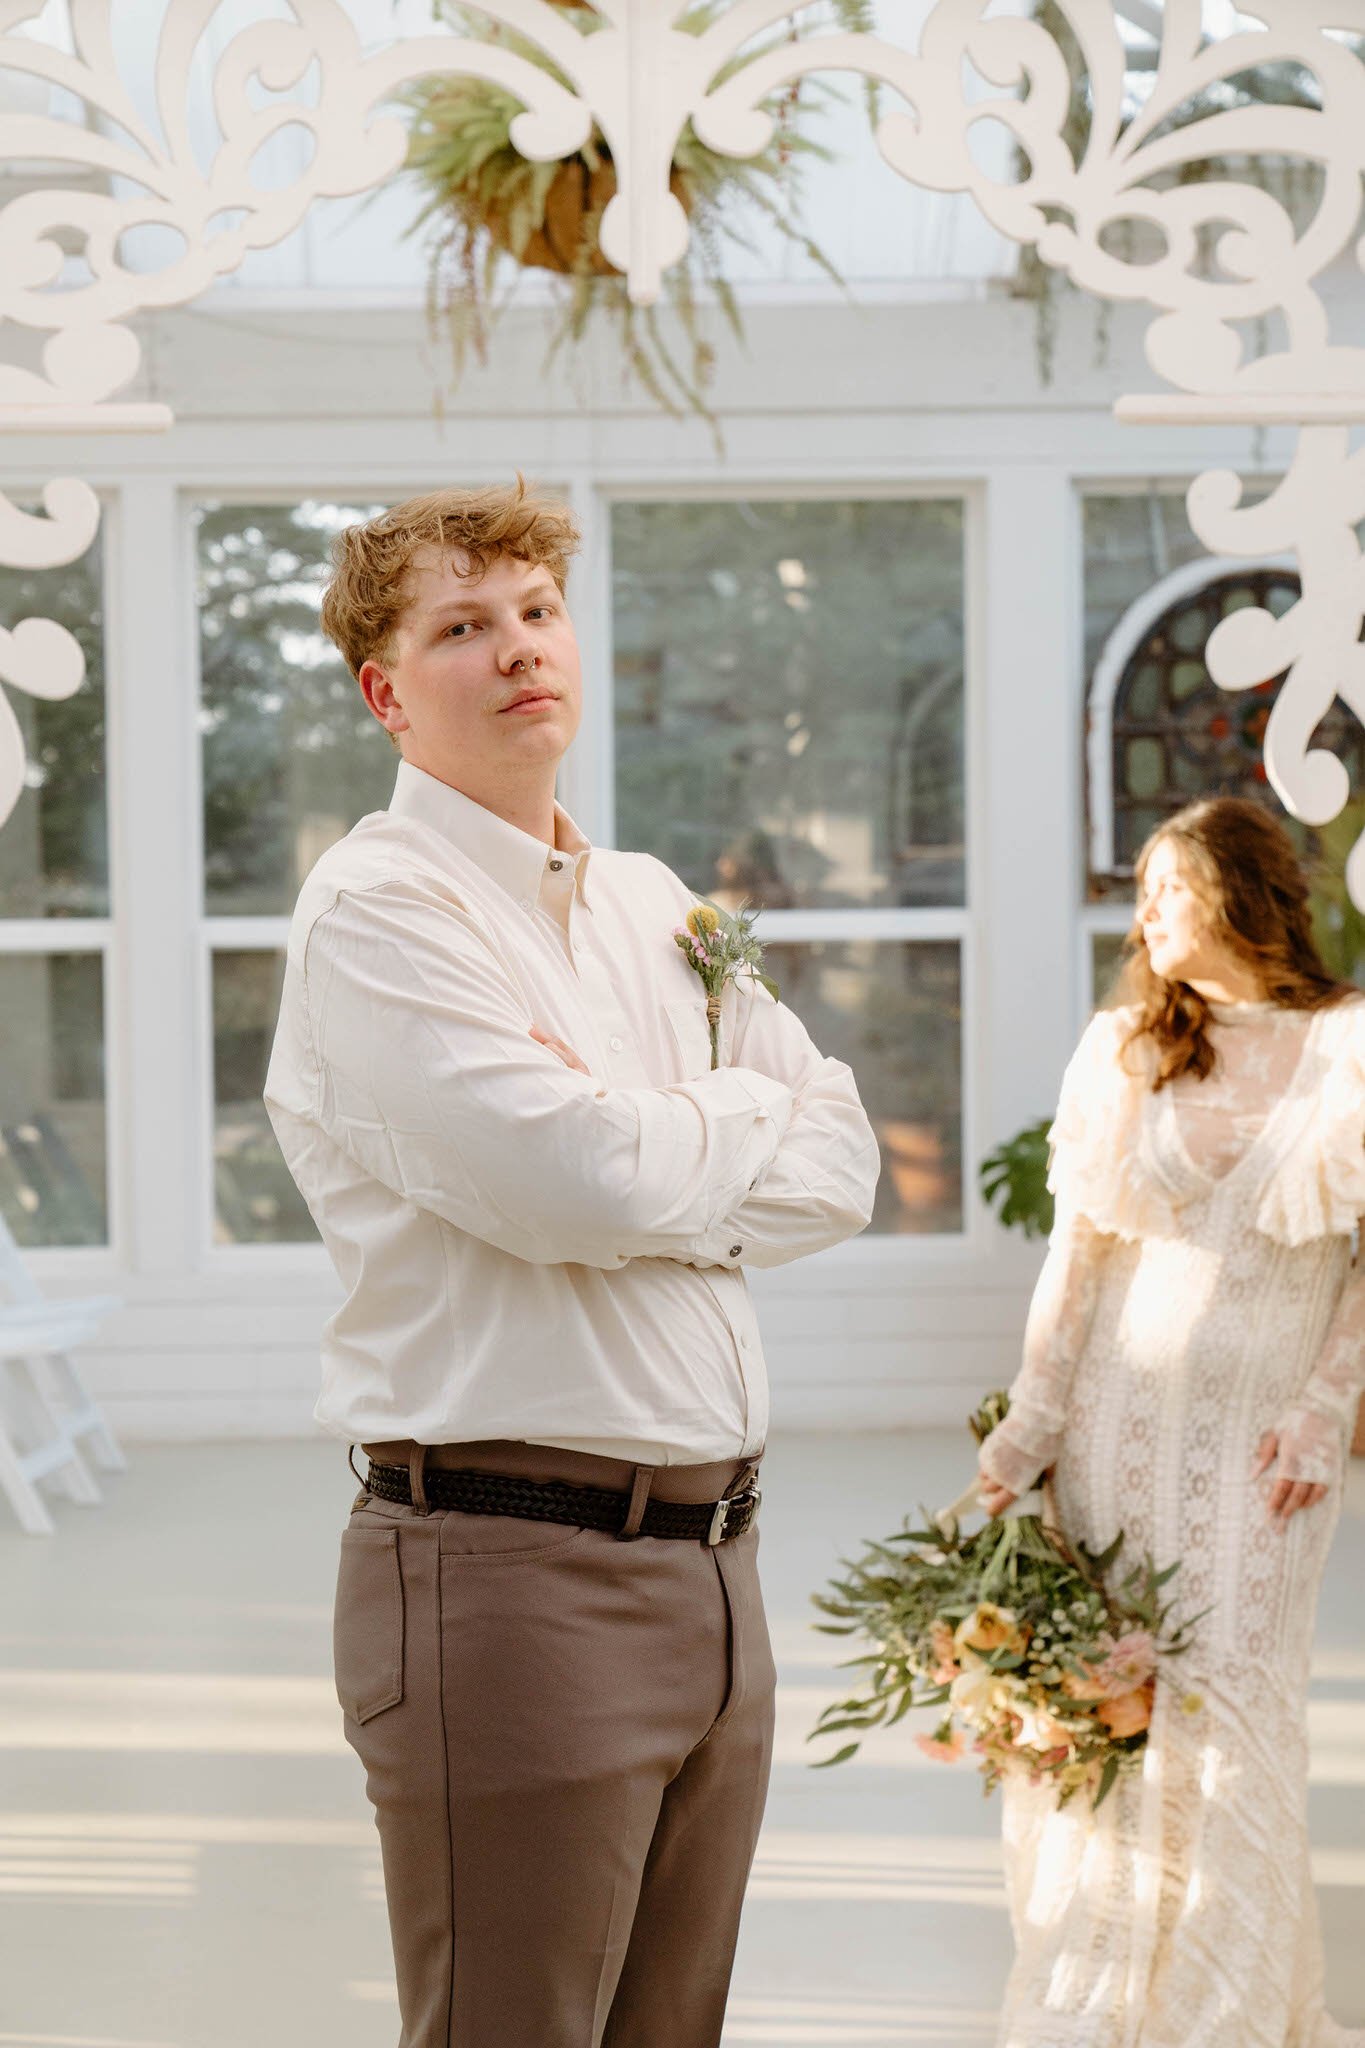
<point x="893" y="1012"/>
<point x="1170" y="733"/>
<point x="789" y="698"/>
<point x="1174" y="734"/>
<point x="292" y="758"/>
<point x="54" y="852"/>
<point x="1106" y="958"/>
<point x="256" y="1201"/>
<point x="52" y="1141"/>
<point x="1131" y="542"/>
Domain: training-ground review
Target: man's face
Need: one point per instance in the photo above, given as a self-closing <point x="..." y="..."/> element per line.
<point x="482" y="680"/>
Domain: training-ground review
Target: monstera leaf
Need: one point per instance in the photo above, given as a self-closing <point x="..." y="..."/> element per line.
<point x="1014" y="1181"/>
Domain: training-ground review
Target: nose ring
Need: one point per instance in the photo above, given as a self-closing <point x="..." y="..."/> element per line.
<point x="519" y="663"/>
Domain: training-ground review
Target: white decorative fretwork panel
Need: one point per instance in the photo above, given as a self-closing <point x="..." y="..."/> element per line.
<point x="1111" y="203"/>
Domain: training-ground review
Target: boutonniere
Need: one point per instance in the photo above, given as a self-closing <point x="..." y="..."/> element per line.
<point x="716" y="946"/>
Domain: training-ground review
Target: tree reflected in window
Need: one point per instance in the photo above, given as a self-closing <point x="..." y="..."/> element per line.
<point x="789" y="698"/>
<point x="292" y="757"/>
<point x="54" y="848"/>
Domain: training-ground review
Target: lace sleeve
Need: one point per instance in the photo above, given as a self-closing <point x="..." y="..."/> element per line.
<point x="1314" y="1432"/>
<point x="1063" y="1306"/>
<point x="1097" y="1167"/>
<point x="1315" y="1429"/>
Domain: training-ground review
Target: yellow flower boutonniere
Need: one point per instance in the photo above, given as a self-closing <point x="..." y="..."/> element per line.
<point x="716" y="946"/>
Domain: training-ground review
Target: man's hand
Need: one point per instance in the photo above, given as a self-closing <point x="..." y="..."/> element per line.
<point x="565" y="1052"/>
<point x="1287" y="1496"/>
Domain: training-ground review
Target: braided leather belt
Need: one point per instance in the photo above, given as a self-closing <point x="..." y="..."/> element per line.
<point x="552" y="1500"/>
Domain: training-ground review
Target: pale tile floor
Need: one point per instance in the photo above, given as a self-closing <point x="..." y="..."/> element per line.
<point x="186" y="1853"/>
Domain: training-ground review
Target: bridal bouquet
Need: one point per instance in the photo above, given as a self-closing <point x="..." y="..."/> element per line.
<point x="1042" y="1672"/>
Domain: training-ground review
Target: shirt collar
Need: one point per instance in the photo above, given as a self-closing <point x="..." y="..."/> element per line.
<point x="516" y="860"/>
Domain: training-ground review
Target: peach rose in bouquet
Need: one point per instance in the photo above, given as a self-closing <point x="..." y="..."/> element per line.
<point x="943" y="1747"/>
<point x="1128" y="1713"/>
<point x="987" y="1628"/>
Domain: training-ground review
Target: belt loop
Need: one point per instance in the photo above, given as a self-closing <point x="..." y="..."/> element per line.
<point x="417" y="1459"/>
<point x="639" y="1497"/>
<point x="350" y="1460"/>
<point x="745" y="1480"/>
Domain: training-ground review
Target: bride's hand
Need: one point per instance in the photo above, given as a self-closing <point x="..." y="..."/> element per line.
<point x="1287" y="1496"/>
<point x="995" y="1498"/>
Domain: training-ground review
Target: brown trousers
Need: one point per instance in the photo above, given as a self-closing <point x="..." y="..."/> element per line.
<point x="566" y="1738"/>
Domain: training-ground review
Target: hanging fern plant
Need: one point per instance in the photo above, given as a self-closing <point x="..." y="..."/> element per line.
<point x="487" y="208"/>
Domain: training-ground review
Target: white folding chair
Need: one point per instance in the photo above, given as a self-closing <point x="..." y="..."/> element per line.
<point x="47" y="1406"/>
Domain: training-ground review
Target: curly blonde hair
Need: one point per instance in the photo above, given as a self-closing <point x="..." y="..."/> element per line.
<point x="1241" y="864"/>
<point x="371" y="564"/>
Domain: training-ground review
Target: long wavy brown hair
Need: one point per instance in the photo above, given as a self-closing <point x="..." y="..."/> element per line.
<point x="1242" y="865"/>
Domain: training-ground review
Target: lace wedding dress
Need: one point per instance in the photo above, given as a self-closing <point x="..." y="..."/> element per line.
<point x="1198" y="1291"/>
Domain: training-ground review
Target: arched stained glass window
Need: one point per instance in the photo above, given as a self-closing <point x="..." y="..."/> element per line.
<point x="1161" y="732"/>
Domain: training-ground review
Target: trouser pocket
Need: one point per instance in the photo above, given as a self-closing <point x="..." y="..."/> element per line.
<point x="367" y="1629"/>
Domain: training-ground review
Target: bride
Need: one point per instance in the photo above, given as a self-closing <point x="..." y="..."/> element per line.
<point x="1194" y="1354"/>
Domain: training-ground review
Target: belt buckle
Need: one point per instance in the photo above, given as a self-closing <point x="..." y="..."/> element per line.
<point x="719" y="1528"/>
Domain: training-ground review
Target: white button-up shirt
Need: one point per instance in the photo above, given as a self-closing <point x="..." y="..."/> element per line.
<point x="528" y="1252"/>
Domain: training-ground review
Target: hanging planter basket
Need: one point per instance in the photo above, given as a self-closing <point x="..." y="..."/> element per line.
<point x="486" y="203"/>
<point x="565" y="243"/>
<point x="566" y="240"/>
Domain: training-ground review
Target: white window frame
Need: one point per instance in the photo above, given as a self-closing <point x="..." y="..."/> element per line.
<point x="587" y="789"/>
<point x="45" y="936"/>
<point x="1022" y="859"/>
<point x="953" y="923"/>
<point x="214" y="933"/>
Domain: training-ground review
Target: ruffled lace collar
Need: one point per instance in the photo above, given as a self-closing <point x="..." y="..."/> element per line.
<point x="1307" y="1176"/>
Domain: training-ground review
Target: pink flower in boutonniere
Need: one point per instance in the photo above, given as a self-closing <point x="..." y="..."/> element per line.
<point x="716" y="946"/>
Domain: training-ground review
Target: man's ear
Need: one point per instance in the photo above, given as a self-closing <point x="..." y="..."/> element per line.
<point x="376" y="687"/>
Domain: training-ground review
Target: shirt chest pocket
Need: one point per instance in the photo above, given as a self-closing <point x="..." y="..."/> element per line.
<point x="691" y="1035"/>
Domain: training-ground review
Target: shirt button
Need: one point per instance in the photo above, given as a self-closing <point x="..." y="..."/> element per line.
<point x="735" y="1250"/>
<point x="555" y="866"/>
<point x="617" y="1044"/>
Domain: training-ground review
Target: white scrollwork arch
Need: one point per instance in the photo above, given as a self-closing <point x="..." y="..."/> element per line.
<point x="37" y="655"/>
<point x="1227" y="251"/>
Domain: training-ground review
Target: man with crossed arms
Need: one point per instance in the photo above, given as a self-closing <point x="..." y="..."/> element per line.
<point x="491" y="1082"/>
